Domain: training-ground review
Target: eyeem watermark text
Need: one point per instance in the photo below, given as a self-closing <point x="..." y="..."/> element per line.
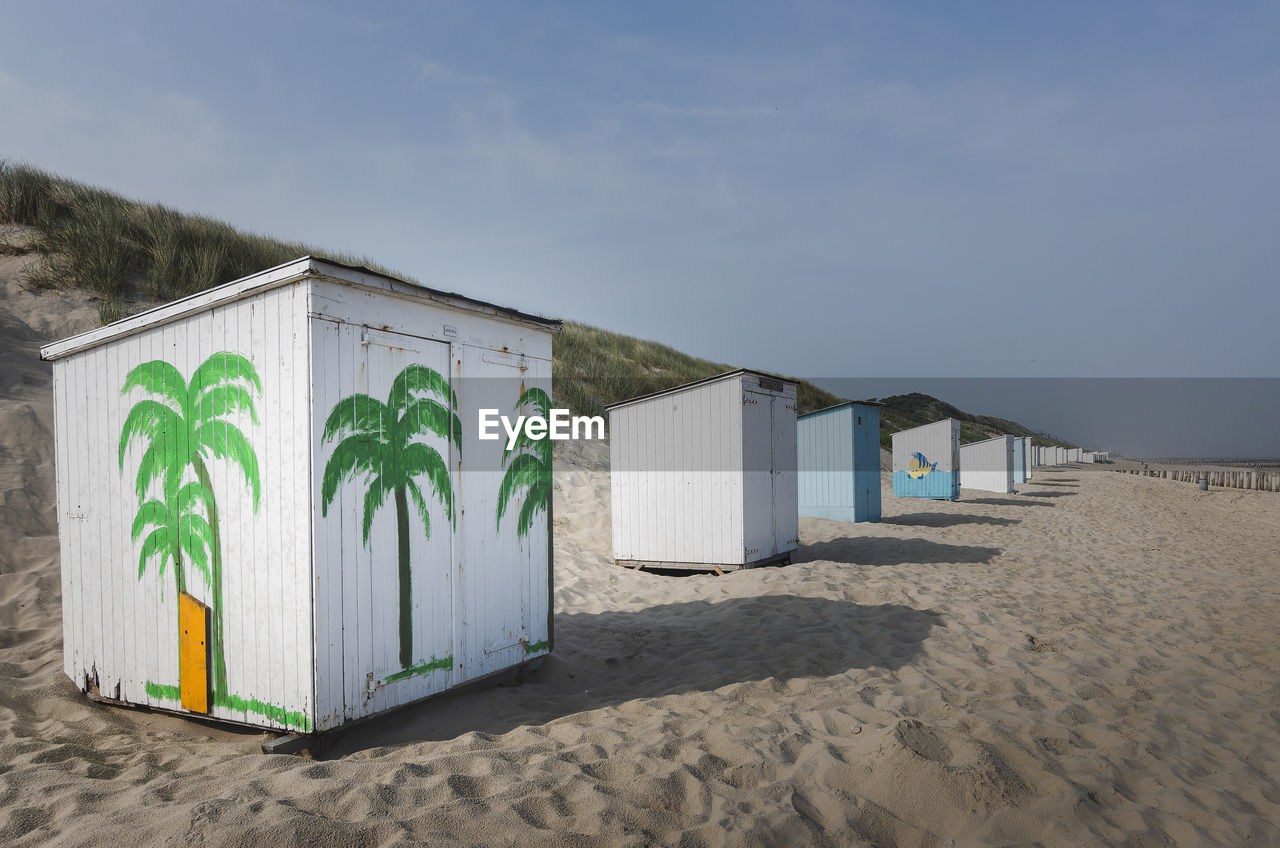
<point x="559" y="426"/>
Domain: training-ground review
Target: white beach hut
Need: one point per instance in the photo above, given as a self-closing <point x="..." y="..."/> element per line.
<point x="926" y="461"/>
<point x="988" y="465"/>
<point x="274" y="506"/>
<point x="703" y="476"/>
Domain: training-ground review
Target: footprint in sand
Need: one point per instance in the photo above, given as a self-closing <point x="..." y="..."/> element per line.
<point x="918" y="737"/>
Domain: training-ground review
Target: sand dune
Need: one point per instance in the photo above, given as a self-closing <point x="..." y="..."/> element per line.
<point x="1092" y="661"/>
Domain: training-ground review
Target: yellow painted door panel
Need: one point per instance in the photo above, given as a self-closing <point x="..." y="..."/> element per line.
<point x="193" y="653"/>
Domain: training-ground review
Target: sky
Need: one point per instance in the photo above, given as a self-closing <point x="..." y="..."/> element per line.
<point x="838" y="190"/>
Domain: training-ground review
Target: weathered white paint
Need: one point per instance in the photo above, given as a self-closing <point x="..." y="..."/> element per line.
<point x="705" y="474"/>
<point x="988" y="465"/>
<point x="311" y="624"/>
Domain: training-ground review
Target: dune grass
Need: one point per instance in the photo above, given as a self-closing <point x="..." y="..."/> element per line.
<point x="901" y="412"/>
<point x="95" y="239"/>
<point x="98" y="240"/>
<point x="595" y="367"/>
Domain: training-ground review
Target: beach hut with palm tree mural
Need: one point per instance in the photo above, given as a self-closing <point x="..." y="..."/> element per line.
<point x="275" y="506"/>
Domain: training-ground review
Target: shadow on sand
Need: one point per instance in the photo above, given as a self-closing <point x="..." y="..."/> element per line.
<point x="943" y="519"/>
<point x="1046" y="494"/>
<point x="881" y="550"/>
<point x="608" y="658"/>
<point x="1003" y="502"/>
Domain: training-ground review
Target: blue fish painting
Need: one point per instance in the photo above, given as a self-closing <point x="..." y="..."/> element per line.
<point x="920" y="466"/>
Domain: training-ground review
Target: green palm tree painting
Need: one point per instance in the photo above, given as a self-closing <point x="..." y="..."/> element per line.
<point x="181" y="532"/>
<point x="184" y="425"/>
<point x="376" y="440"/>
<point x="528" y="465"/>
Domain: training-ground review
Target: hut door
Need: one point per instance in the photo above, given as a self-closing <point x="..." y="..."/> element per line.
<point x="501" y="554"/>
<point x="412" y="626"/>
<point x="386" y="515"/>
<point x="786" y="516"/>
<point x="757" y="473"/>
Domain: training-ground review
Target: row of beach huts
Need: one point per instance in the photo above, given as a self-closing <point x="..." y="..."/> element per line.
<point x="276" y="508"/>
<point x="715" y="474"/>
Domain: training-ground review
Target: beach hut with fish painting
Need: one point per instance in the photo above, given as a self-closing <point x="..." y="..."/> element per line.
<point x="989" y="465"/>
<point x="702" y="477"/>
<point x="839" y="462"/>
<point x="275" y="508"/>
<point x="926" y="461"/>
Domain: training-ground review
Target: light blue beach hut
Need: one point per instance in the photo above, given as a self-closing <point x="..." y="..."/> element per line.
<point x="839" y="462"/>
<point x="1019" y="460"/>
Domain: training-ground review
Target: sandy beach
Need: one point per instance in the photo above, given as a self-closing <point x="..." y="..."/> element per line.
<point x="1092" y="661"/>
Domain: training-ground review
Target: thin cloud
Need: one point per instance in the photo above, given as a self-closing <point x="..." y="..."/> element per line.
<point x="431" y="71"/>
<point x="659" y="108"/>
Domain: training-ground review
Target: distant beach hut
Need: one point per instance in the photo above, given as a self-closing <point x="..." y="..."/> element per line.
<point x="1028" y="465"/>
<point x="274" y="508"/>
<point x="926" y="461"/>
<point x="1019" y="461"/>
<point x="839" y="462"/>
<point x="988" y="465"/>
<point x="703" y="476"/>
